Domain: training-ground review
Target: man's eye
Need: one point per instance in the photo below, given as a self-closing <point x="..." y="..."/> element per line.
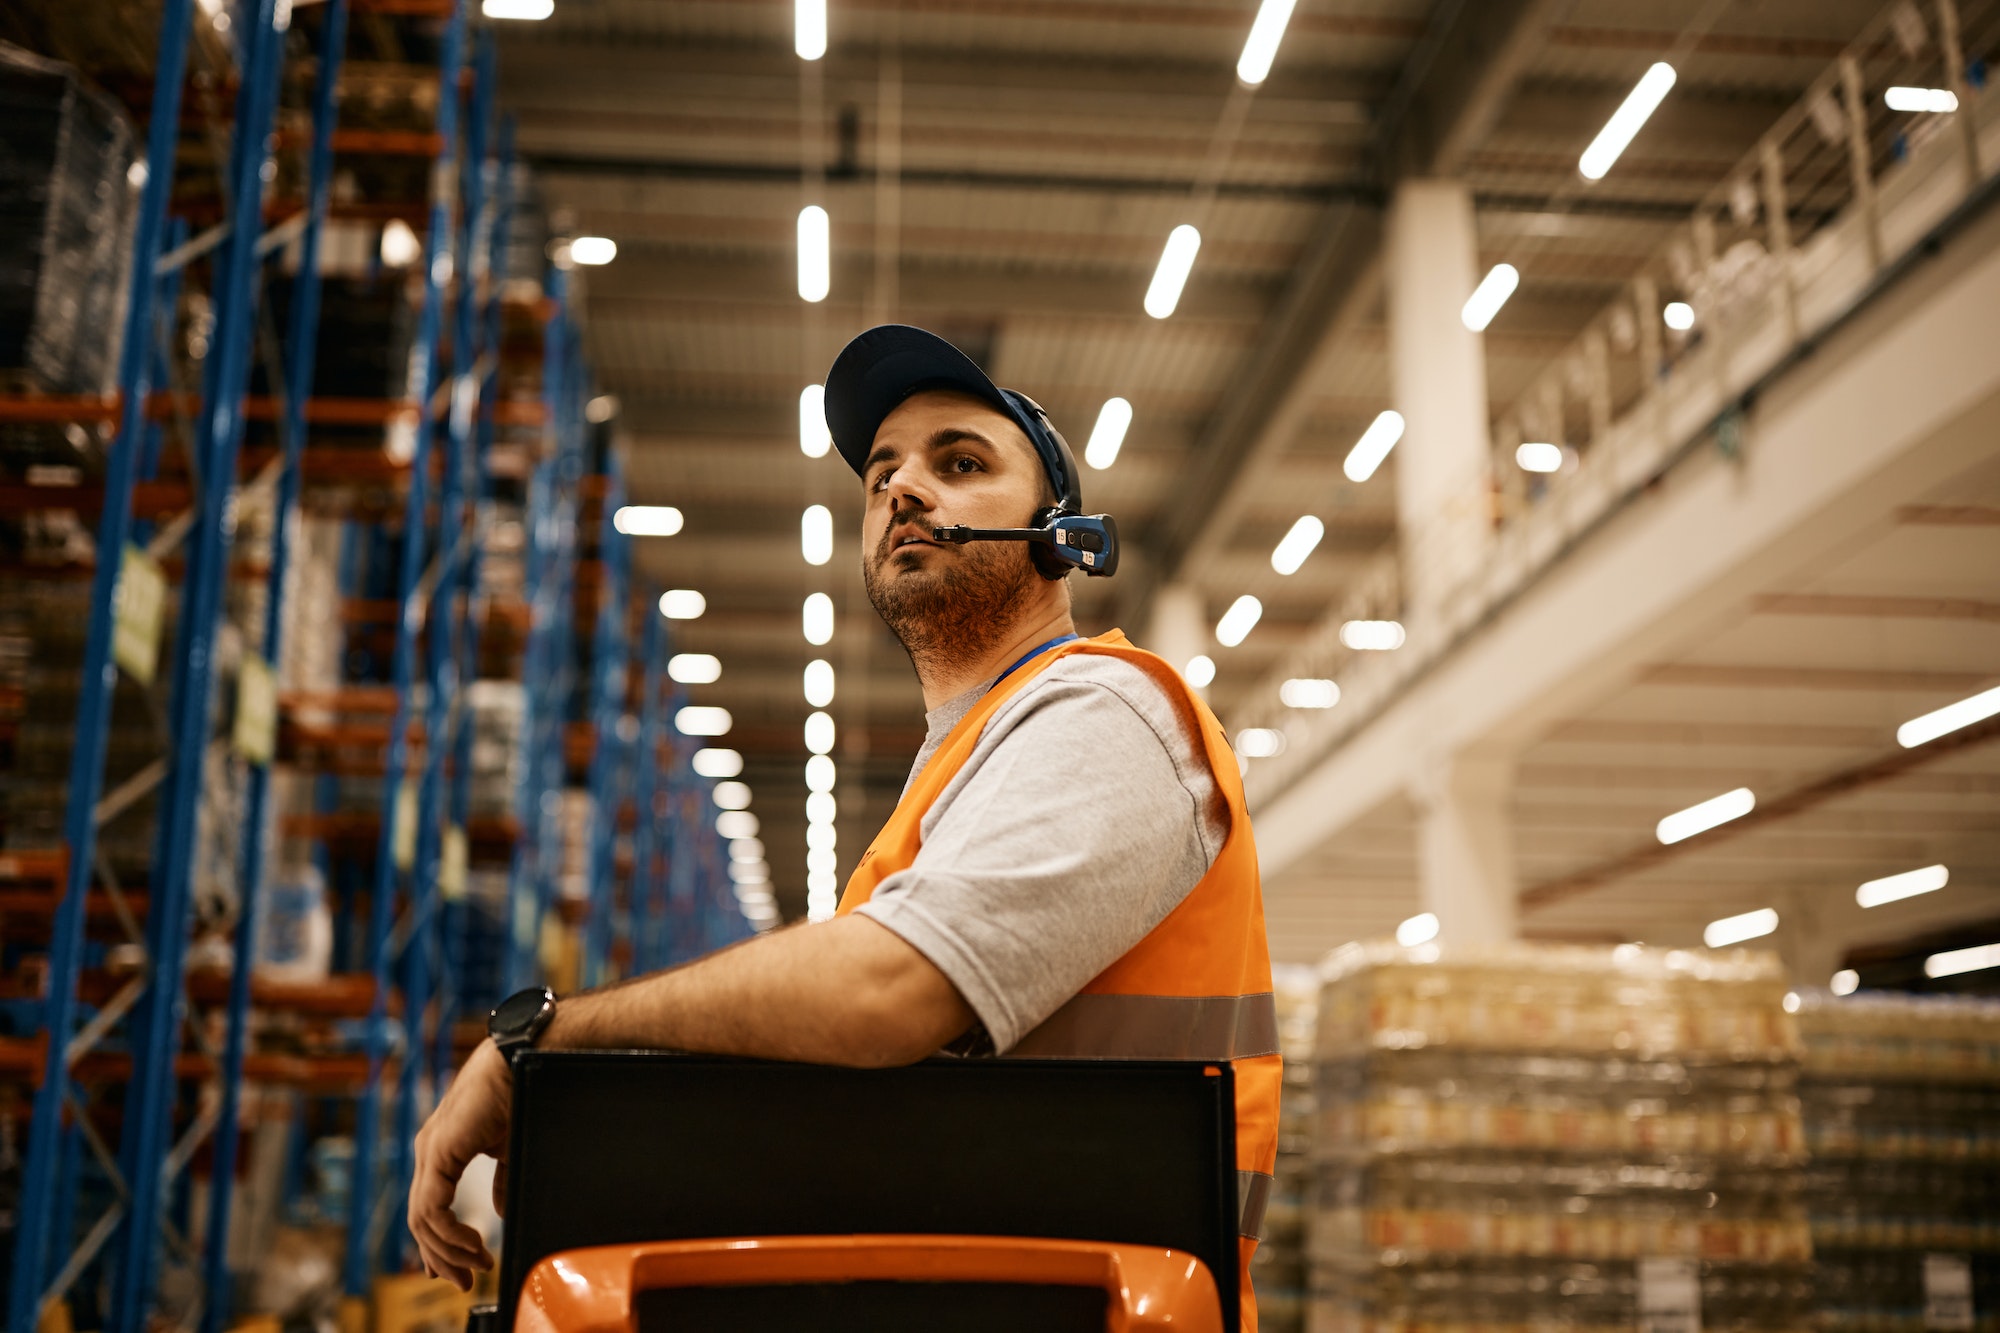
<point x="964" y="464"/>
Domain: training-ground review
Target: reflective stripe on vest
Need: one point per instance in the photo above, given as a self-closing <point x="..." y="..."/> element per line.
<point x="1156" y="1027"/>
<point x="1253" y="1196"/>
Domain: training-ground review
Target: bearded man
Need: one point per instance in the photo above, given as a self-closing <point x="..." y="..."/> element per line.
<point x="1069" y="873"/>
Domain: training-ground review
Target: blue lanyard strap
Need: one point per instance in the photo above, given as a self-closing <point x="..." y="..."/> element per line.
<point x="1031" y="655"/>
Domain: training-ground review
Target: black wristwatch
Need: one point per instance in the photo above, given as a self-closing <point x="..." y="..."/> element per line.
<point x="520" y="1018"/>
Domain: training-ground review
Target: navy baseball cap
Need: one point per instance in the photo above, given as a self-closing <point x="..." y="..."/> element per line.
<point x="885" y="365"/>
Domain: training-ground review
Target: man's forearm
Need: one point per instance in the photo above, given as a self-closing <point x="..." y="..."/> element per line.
<point x="845" y="992"/>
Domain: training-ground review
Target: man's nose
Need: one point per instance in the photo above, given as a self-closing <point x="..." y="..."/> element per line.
<point x="909" y="489"/>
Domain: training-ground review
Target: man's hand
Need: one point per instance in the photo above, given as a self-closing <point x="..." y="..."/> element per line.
<point x="472" y="1119"/>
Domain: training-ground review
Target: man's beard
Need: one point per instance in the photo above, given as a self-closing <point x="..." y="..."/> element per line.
<point x="957" y="613"/>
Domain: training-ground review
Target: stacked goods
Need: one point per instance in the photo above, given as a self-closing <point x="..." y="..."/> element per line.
<point x="1556" y="1136"/>
<point x="65" y="226"/>
<point x="1901" y="1097"/>
<point x="1279" y="1270"/>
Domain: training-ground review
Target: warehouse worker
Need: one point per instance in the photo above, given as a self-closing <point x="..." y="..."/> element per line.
<point x="1069" y="872"/>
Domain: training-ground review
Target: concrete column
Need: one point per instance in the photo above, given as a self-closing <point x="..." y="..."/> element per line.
<point x="1465" y="849"/>
<point x="1179" y="627"/>
<point x="1438" y="372"/>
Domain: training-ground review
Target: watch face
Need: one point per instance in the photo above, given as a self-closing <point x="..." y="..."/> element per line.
<point x="517" y="1011"/>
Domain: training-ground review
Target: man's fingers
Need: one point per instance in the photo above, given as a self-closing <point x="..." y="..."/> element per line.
<point x="458" y="1244"/>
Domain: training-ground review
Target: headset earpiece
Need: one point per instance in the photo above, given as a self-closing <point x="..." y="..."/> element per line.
<point x="1047" y="563"/>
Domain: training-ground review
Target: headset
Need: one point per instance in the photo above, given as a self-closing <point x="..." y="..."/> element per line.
<point x="1061" y="537"/>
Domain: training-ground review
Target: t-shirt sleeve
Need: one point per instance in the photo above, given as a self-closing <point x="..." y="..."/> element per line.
<point x="1082" y="818"/>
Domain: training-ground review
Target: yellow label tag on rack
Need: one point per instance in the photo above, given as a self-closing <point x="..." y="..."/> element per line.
<point x="255" y="734"/>
<point x="405" y="846"/>
<point x="452" y="861"/>
<point x="138" y="611"/>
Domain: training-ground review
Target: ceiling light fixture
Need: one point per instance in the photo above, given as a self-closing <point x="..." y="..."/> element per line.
<point x="1678" y="316"/>
<point x="734" y="824"/>
<point x="1372" y="636"/>
<point x="1200" y="671"/>
<point x="1895" y="888"/>
<point x="809" y="28"/>
<point x="1176" y="261"/>
<point x="1950" y="718"/>
<point x="816" y="534"/>
<point x="819" y="733"/>
<point x="1684" y="824"/>
<point x="694" y="668"/>
<point x="1736" y="929"/>
<point x="820" y="773"/>
<point x="1955" y="961"/>
<point x="1108" y="435"/>
<point x="1260" y="48"/>
<point x="1373" y="446"/>
<point x="682" y="604"/>
<point x="648" y="520"/>
<point x="1419" y="929"/>
<point x="1935" y="100"/>
<point x="531" y="10"/>
<point x="747" y="850"/>
<point x="594" y="251"/>
<point x="702" y="720"/>
<point x="718" y="763"/>
<point x="815" y="253"/>
<point x="819" y="619"/>
<point x="1625" y="122"/>
<point x="814" y="437"/>
<point x="1539" y="456"/>
<point x="400" y="247"/>
<point x="1487" y="298"/>
<point x="821" y="807"/>
<point x="819" y="682"/>
<point x="1293" y="548"/>
<point x="1260" y="742"/>
<point x="1238" y="620"/>
<point x="1845" y="982"/>
<point x="1308" y="692"/>
<point x="732" y="795"/>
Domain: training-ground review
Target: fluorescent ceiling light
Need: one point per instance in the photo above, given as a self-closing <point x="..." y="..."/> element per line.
<point x="821" y="807"/>
<point x="1736" y="929"/>
<point x="822" y="837"/>
<point x="1487" y="298"/>
<point x="400" y="246"/>
<point x="809" y="28"/>
<point x="1894" y="888"/>
<point x="1297" y="544"/>
<point x="1625" y="121"/>
<point x="702" y="720"/>
<point x="647" y="520"/>
<point x="815" y="253"/>
<point x="1948" y="719"/>
<point x="819" y="733"/>
<point x="1238" y="620"/>
<point x="1372" y="636"/>
<point x="1260" y="48"/>
<point x="1200" y="671"/>
<point x="1845" y="982"/>
<point x="749" y="872"/>
<point x="748" y="850"/>
<point x="819" y="682"/>
<point x="1921" y="99"/>
<point x="1373" y="446"/>
<point x="814" y="437"/>
<point x="718" y="763"/>
<point x="819" y="619"/>
<point x="517" y="9"/>
<point x="601" y="409"/>
<point x="732" y="795"/>
<point x="1684" y="824"/>
<point x="1260" y="742"/>
<point x="1679" y="316"/>
<point x="593" y="250"/>
<point x="1419" y="929"/>
<point x="1539" y="456"/>
<point x="1308" y="692"/>
<point x="733" y="824"/>
<point x="816" y="534"/>
<point x="694" y="668"/>
<point x="1962" y="960"/>
<point x="1108" y="435"/>
<point x="682" y="604"/>
<point x="819" y="773"/>
<point x="822" y="861"/>
<point x="1175" y="262"/>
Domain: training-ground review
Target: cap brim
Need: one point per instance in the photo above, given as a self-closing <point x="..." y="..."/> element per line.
<point x="885" y="365"/>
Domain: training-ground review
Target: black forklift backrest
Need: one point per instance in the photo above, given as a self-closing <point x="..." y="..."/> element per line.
<point x="611" y="1147"/>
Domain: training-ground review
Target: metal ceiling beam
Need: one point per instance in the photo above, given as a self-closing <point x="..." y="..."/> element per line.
<point x="1454" y="88"/>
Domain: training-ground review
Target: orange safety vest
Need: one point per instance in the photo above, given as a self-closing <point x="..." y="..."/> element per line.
<point x="1197" y="987"/>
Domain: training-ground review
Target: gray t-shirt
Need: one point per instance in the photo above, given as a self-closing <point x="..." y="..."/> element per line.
<point x="1085" y="814"/>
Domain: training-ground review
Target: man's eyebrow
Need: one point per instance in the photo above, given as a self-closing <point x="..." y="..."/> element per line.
<point x="942" y="438"/>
